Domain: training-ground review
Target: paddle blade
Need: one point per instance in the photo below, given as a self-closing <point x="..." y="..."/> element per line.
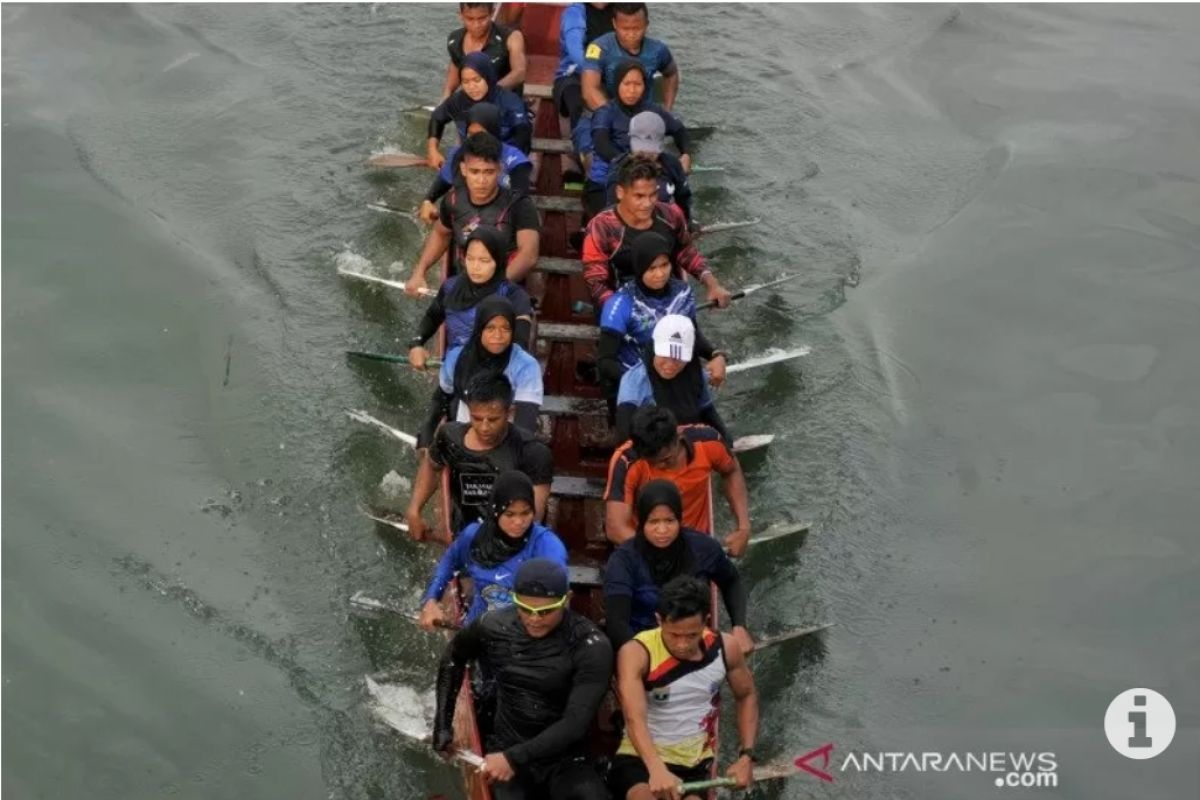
<point x="396" y="161"/>
<point x="367" y="419"/>
<point x="717" y="227"/>
<point x="748" y="444"/>
<point x="770" y="357"/>
<point x="772" y="641"/>
<point x="779" y="531"/>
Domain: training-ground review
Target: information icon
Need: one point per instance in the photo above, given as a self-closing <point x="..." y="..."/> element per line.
<point x="1139" y="723"/>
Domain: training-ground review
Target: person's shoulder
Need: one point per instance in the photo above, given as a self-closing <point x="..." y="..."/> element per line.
<point x="455" y="36"/>
<point x="699" y="432"/>
<point x="498" y="620"/>
<point x="452" y="432"/>
<point x="671" y="213"/>
<point x="525" y="360"/>
<point x="702" y="543"/>
<point x="587" y="634"/>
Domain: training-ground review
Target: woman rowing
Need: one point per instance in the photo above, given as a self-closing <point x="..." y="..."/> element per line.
<point x="457" y="301"/>
<point x="663" y="549"/>
<point x="628" y="317"/>
<point x="668" y="375"/>
<point x="490" y="349"/>
<point x="610" y="131"/>
<point x="489" y="551"/>
<point x="479" y="85"/>
<point x="515" y="167"/>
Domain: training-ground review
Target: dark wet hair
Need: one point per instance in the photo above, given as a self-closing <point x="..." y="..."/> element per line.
<point x="489" y="387"/>
<point x="489" y="6"/>
<point x="684" y="596"/>
<point x="638" y="167"/>
<point x="629" y="9"/>
<point x="653" y="429"/>
<point x="482" y="145"/>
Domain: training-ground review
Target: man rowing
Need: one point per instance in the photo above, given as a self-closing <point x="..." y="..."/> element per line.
<point x="479" y="33"/>
<point x="551" y="668"/>
<point x="581" y="24"/>
<point x="628" y="40"/>
<point x="515" y="167"/>
<point x="480" y="201"/>
<point x="669" y="681"/>
<point x="608" y="244"/>
<point x="686" y="455"/>
<point x="476" y="452"/>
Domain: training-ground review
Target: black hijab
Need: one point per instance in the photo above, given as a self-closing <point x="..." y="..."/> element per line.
<point x="474" y="358"/>
<point x="624" y="67"/>
<point x="646" y="248"/>
<point x="682" y="393"/>
<point x="466" y="294"/>
<point x="492" y="546"/>
<point x="675" y="559"/>
<point x="485" y="114"/>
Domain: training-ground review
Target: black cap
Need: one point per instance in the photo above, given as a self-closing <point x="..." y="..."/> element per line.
<point x="541" y="577"/>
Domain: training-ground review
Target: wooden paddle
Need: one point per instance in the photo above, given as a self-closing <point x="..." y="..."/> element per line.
<point x="780" y="638"/>
<point x="396" y="161"/>
<point x="390" y="358"/>
<point x="749" y="290"/>
<point x="765" y="772"/>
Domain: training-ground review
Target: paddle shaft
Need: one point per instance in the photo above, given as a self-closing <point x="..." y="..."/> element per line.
<point x="391" y="358"/>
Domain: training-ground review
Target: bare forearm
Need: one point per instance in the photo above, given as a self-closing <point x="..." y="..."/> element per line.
<point x="733" y="486"/>
<point x="670" y="89"/>
<point x="526" y="258"/>
<point x="425" y="484"/>
<point x="435" y="247"/>
<point x="747" y="719"/>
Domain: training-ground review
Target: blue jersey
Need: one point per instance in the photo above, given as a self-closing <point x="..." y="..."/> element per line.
<point x="632" y="314"/>
<point x="523" y="372"/>
<point x="611" y="118"/>
<point x="459" y="323"/>
<point x="637" y="391"/>
<point x="605" y="54"/>
<point x="572" y="30"/>
<point x="510" y="158"/>
<point x="493" y="585"/>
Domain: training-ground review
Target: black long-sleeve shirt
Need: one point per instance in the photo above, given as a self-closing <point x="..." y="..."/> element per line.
<point x="547" y="689"/>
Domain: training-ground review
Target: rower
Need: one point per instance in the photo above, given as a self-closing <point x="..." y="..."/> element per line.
<point x="669" y="681"/>
<point x="628" y="40"/>
<point x="476" y="452"/>
<point x="668" y="375"/>
<point x="607" y="246"/>
<point x="581" y="24"/>
<point x="479" y="86"/>
<point x="457" y="300"/>
<point x="515" y="167"/>
<point x="687" y="455"/>
<point x="628" y="317"/>
<point x="646" y="133"/>
<point x="480" y="200"/>
<point x="489" y="551"/>
<point x="490" y="349"/>
<point x="664" y="548"/>
<point x="551" y="668"/>
<point x="502" y="44"/>
<point x="611" y="134"/>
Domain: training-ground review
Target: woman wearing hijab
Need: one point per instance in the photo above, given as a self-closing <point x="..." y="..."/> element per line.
<point x="515" y="167"/>
<point x="628" y="317"/>
<point x="668" y="375"/>
<point x="479" y="86"/>
<point x="456" y="303"/>
<point x="490" y="550"/>
<point x="610" y="130"/>
<point x="490" y="349"/>
<point x="661" y="550"/>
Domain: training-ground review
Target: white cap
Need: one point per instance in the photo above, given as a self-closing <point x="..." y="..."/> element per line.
<point x="674" y="337"/>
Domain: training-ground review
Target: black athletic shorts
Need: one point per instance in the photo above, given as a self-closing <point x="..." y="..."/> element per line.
<point x="625" y="772"/>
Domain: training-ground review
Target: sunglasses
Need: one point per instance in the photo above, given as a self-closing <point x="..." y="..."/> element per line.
<point x="540" y="611"/>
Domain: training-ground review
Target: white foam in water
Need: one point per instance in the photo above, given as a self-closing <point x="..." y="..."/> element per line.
<point x="403" y="708"/>
<point x="394" y="484"/>
<point x="352" y="261"/>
